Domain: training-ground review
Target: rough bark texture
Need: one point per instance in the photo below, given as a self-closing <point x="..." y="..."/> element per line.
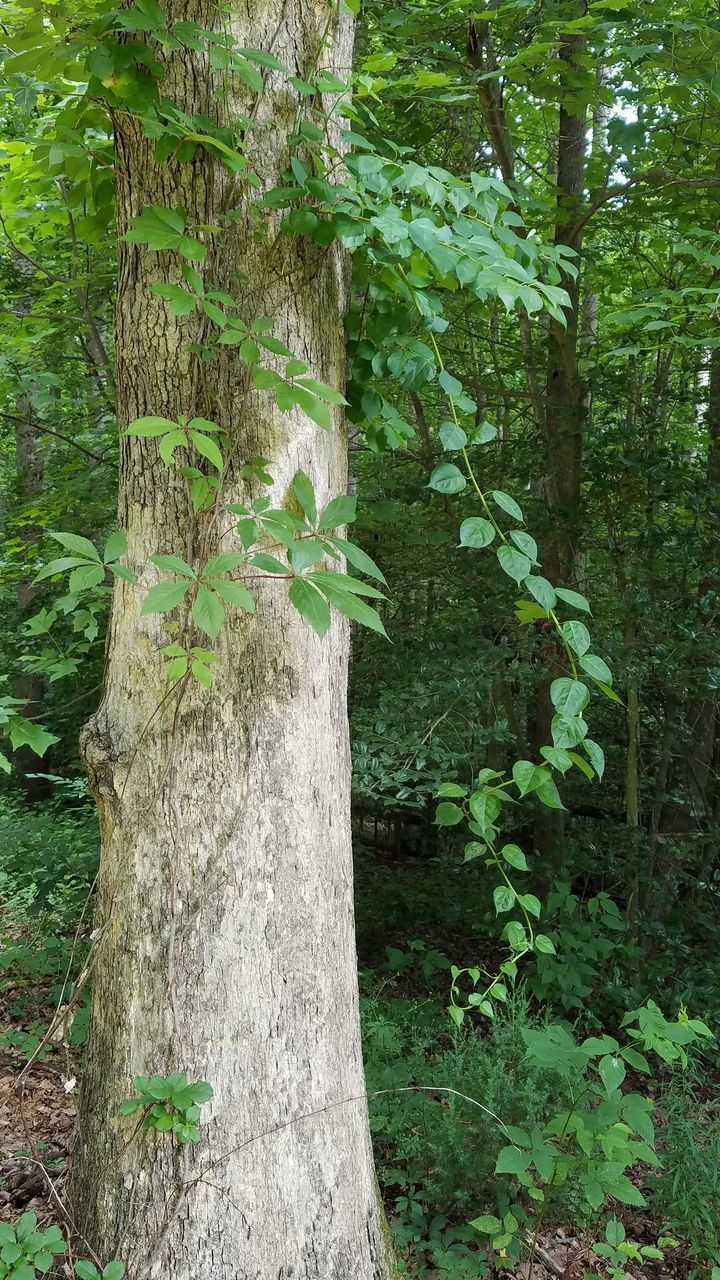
<point x="225" y="899"/>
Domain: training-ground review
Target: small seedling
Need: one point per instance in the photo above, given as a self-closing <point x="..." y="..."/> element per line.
<point x="88" y="1271"/>
<point x="170" y="1104"/>
<point x="25" y="1252"/>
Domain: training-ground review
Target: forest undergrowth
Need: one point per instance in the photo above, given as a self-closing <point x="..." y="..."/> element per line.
<point x="442" y="1097"/>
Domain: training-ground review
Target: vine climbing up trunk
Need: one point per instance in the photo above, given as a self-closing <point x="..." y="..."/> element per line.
<point x="225" y="920"/>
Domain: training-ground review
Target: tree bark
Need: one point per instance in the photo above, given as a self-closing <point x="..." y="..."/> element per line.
<point x="225" y="899"/>
<point x="560" y="409"/>
<point x="29" y="686"/>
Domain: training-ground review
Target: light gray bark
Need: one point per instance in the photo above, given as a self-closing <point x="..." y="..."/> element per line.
<point x="225" y="898"/>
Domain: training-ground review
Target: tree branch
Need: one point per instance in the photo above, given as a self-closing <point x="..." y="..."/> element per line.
<point x="42" y="430"/>
<point x="662" y="177"/>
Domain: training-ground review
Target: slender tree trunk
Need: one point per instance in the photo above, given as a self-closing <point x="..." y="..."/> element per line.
<point x="703" y="712"/>
<point x="560" y="411"/>
<point x="565" y="403"/>
<point x="565" y="413"/>
<point x="29" y="686"/>
<point x="225" y="900"/>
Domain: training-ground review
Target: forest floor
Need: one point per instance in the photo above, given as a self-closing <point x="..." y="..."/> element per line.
<point x="37" y="1119"/>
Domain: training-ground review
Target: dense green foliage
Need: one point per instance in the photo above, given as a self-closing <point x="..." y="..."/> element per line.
<point x="534" y="380"/>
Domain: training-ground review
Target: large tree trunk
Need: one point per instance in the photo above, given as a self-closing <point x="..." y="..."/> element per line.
<point x="225" y="898"/>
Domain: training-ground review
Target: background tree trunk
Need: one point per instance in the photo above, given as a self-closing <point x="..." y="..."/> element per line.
<point x="29" y="685"/>
<point x="225" y="898"/>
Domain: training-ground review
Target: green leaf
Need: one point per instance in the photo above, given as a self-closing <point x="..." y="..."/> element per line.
<point x="568" y="731"/>
<point x="487" y="1224"/>
<point x="305" y="553"/>
<point x="169" y="444"/>
<point x="26" y="1224"/>
<point x="191" y="249"/>
<point x="514" y="856"/>
<point x="341" y="510"/>
<point x="582" y="765"/>
<point x="636" y="1110"/>
<point x="207" y="448"/>
<point x="130" y="1106"/>
<point x="86" y="1270"/>
<point x="58" y="566"/>
<point x="542" y="591"/>
<point x="305" y="494"/>
<point x="626" y="1192"/>
<point x="512" y="1160"/>
<point x="612" y="1072"/>
<point x="81" y="546"/>
<point x="322" y="390"/>
<point x="544" y="945"/>
<point x="201" y="673"/>
<point x="358" y="558"/>
<point x="448" y="814"/>
<point x="87" y="576"/>
<point x="349" y="605"/>
<point x="300" y="222"/>
<point x="549" y="795"/>
<point x="116" y="546"/>
<point x="226" y="562"/>
<point x="201" y="1091"/>
<point x="208" y="612"/>
<point x="164" y="596"/>
<point x="637" y="1060"/>
<point x="508" y="504"/>
<point x="308" y="601"/>
<point x="473" y="850"/>
<point x="27" y="733"/>
<point x="452" y="436"/>
<point x="268" y="563"/>
<point x="528" y="776"/>
<point x="577" y="636"/>
<point x="151" y="427"/>
<point x="530" y="903"/>
<point x="596" y="668"/>
<point x="504" y="898"/>
<point x="310" y="405"/>
<point x="569" y="697"/>
<point x="181" y="302"/>
<point x="484" y="434"/>
<point x="114" y="1271"/>
<point x="527" y="545"/>
<point x="451" y="789"/>
<point x="234" y="593"/>
<point x="596" y="756"/>
<point x="447" y="478"/>
<point x="514" y="563"/>
<point x="559" y="759"/>
<point x="174" y="564"/>
<point x="574" y="599"/>
<point x="484" y="807"/>
<point x="476" y="532"/>
<point x="451" y="385"/>
<point x="609" y="693"/>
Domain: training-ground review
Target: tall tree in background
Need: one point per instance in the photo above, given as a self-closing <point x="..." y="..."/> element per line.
<point x="225" y="895"/>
